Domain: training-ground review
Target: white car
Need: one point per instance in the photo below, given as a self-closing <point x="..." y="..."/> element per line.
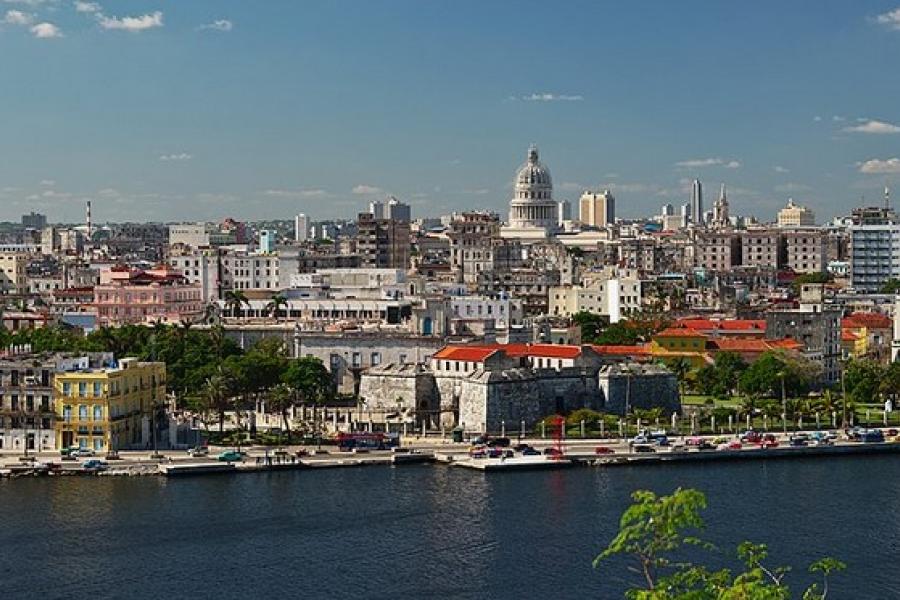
<point x="199" y="451"/>
<point x="82" y="453"/>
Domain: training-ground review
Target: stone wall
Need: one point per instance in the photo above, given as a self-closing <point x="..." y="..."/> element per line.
<point x="638" y="386"/>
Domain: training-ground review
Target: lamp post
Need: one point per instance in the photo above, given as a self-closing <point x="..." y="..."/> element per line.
<point x="783" y="405"/>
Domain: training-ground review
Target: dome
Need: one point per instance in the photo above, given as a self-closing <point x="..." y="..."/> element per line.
<point x="533" y="180"/>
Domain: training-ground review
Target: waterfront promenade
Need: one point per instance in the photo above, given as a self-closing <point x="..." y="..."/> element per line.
<point x="579" y="451"/>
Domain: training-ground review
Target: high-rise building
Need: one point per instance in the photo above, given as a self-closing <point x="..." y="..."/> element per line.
<point x="874" y="248"/>
<point x="301" y="228"/>
<point x="565" y="212"/>
<point x="794" y="215"/>
<point x="597" y="209"/>
<point x="34" y="220"/>
<point x="267" y="241"/>
<point x="686" y="213"/>
<point x="383" y="243"/>
<point x="667" y="210"/>
<point x="697" y="202"/>
<point x="390" y="209"/>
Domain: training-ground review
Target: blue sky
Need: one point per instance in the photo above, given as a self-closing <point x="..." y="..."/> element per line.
<point x="197" y="109"/>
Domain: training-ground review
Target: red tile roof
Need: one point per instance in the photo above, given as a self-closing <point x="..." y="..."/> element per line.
<point x="478" y="353"/>
<point x="723" y="324"/>
<point x="867" y="319"/>
<point x="621" y="350"/>
<point x="680" y="332"/>
<point x="752" y="345"/>
<point x="465" y="353"/>
<point x="848" y="336"/>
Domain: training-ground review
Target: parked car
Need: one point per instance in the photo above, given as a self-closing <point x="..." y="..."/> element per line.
<point x="604" y="450"/>
<point x="734" y="445"/>
<point x="94" y="465"/>
<point x="892" y="432"/>
<point x="639" y="439"/>
<point x="82" y="453"/>
<point x="230" y="456"/>
<point x="871" y="436"/>
<point x="661" y="440"/>
<point x="704" y="445"/>
<point x="521" y="447"/>
<point x="694" y="441"/>
<point x="529" y="451"/>
<point x="501" y="442"/>
<point x="643" y="448"/>
<point x="798" y="441"/>
<point x="751" y="437"/>
<point x="481" y="440"/>
<point x="198" y="451"/>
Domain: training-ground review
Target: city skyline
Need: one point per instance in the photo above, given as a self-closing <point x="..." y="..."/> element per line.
<point x="163" y="112"/>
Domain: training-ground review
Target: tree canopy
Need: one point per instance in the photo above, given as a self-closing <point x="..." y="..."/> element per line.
<point x="656" y="532"/>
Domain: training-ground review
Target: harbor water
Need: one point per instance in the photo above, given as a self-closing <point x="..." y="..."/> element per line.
<point x="427" y="532"/>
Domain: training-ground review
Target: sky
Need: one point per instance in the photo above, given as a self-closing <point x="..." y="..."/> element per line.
<point x="202" y="109"/>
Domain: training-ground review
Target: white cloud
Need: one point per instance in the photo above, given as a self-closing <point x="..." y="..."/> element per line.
<point x="838" y="118"/>
<point x="87" y="7"/>
<point x="817" y="118"/>
<point x="877" y="166"/>
<point x="548" y="97"/>
<point x="176" y="157"/>
<point x="218" y="25"/>
<point x="132" y="24"/>
<point x="17" y="17"/>
<point x="27" y="2"/>
<point x="46" y="31"/>
<point x="873" y="126"/>
<point x="695" y="163"/>
<point x="363" y="189"/>
<point x="780" y="169"/>
<point x="890" y="19"/>
<point x="47" y="182"/>
<point x="312" y="193"/>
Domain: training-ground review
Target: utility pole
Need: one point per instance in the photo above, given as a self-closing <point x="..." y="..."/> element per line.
<point x="783" y="406"/>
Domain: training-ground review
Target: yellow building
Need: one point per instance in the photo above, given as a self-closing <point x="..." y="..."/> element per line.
<point x="110" y="408"/>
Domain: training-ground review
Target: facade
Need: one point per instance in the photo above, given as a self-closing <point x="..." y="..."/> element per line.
<point x="718" y="251"/>
<point x="34" y="220"/>
<point x="390" y="209"/>
<point x="383" y="243"/>
<point x="815" y="325"/>
<point x="597" y="209"/>
<point x="794" y="215"/>
<point x="806" y="250"/>
<point x="615" y="298"/>
<point x="13" y="277"/>
<point x="476" y="246"/>
<point x="126" y="295"/>
<point x="26" y="403"/>
<point x="505" y="311"/>
<point x="110" y="408"/>
<point x="627" y="386"/>
<point x="266" y="241"/>
<point x="874" y="254"/>
<point x="763" y="249"/>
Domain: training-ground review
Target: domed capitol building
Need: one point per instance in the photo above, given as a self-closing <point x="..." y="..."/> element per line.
<point x="533" y="214"/>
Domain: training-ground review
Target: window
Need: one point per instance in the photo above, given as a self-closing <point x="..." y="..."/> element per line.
<point x="82" y="412"/>
<point x="82" y="389"/>
<point x="376" y="358"/>
<point x="98" y="443"/>
<point x="98" y="412"/>
<point x="67" y="413"/>
<point x="98" y="388"/>
<point x="357" y="359"/>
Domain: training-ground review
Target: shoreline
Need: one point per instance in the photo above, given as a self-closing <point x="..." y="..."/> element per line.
<point x="580" y="452"/>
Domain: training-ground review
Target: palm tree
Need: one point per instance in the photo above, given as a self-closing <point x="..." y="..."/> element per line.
<point x="216" y="393"/>
<point x="680" y="367"/>
<point x="281" y="399"/>
<point x="278" y="301"/>
<point x="234" y="300"/>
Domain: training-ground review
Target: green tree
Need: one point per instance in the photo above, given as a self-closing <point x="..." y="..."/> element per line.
<point x="234" y="300"/>
<point x="891" y="286"/>
<point x="863" y="380"/>
<point x="277" y="303"/>
<point x="657" y="532"/>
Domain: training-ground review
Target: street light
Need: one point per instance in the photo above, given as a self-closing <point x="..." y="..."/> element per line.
<point x="783" y="404"/>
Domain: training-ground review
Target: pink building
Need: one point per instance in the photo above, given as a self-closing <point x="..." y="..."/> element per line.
<point x="127" y="295"/>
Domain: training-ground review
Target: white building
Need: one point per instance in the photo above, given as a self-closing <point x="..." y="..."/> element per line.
<point x="301" y="228"/>
<point x="505" y="311"/>
<point x="614" y="297"/>
<point x="533" y="213"/>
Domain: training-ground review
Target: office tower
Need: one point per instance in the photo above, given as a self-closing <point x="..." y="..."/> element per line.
<point x="301" y="228"/>
<point x="565" y="212"/>
<point x="597" y="209"/>
<point x="667" y="210"/>
<point x="697" y="202"/>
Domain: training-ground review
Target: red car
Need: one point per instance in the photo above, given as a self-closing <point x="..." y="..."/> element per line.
<point x="752" y="437"/>
<point x="603" y="450"/>
<point x="734" y="445"/>
<point x="768" y="441"/>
